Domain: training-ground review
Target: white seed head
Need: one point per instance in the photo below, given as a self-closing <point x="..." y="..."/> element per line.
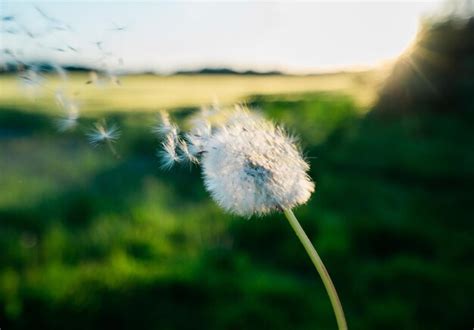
<point x="251" y="166"/>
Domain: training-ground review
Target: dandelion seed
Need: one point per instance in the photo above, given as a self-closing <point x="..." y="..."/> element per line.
<point x="66" y="124"/>
<point x="163" y="125"/>
<point x="46" y="16"/>
<point x="30" y="77"/>
<point x="60" y="98"/>
<point x="102" y="134"/>
<point x="200" y="132"/>
<point x="71" y="108"/>
<point x="99" y="44"/>
<point x="118" y="28"/>
<point x="11" y="31"/>
<point x="169" y="155"/>
<point x="174" y="148"/>
<point x="201" y="125"/>
<point x="195" y="145"/>
<point x="185" y="154"/>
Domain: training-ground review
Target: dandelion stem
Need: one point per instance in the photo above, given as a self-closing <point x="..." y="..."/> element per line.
<point x="318" y="263"/>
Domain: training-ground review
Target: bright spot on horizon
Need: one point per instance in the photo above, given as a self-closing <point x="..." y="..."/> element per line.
<point x="168" y="36"/>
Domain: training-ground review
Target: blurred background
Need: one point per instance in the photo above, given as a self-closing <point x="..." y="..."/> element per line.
<point x="381" y="94"/>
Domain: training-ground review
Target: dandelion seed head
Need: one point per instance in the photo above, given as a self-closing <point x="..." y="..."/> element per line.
<point x="251" y="166"/>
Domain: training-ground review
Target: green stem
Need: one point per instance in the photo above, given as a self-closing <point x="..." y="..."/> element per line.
<point x="112" y="149"/>
<point x="318" y="263"/>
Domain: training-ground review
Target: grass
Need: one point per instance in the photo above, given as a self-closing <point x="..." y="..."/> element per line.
<point x="145" y="93"/>
<point x="90" y="241"/>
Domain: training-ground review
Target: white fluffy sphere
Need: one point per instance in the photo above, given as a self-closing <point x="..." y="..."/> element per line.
<point x="251" y="167"/>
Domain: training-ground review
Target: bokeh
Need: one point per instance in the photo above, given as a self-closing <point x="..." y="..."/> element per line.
<point x="92" y="240"/>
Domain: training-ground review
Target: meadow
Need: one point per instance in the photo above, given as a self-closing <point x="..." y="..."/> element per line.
<point x="91" y="241"/>
<point x="149" y="93"/>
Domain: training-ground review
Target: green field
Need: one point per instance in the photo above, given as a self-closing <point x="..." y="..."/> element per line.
<point x="89" y="241"/>
<point x="150" y="93"/>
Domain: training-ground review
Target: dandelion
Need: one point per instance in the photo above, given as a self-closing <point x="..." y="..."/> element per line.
<point x="251" y="166"/>
<point x="101" y="134"/>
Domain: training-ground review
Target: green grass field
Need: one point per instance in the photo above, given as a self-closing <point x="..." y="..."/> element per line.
<point x="91" y="241"/>
<point x="149" y="93"/>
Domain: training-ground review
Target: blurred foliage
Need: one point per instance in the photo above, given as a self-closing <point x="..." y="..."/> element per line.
<point x="436" y="73"/>
<point x="89" y="241"/>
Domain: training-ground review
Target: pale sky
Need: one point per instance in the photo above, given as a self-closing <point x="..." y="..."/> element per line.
<point x="165" y="36"/>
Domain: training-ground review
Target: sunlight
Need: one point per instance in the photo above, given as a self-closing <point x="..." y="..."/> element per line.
<point x="170" y="36"/>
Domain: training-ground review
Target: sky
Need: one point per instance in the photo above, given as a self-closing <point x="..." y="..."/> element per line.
<point x="166" y="36"/>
